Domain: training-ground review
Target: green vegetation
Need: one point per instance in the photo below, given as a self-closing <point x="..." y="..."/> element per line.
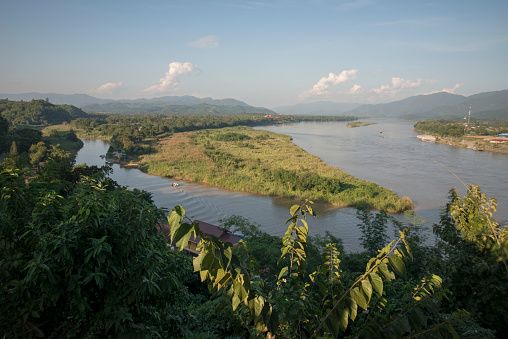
<point x="38" y="112"/>
<point x="30" y="146"/>
<point x="138" y="134"/>
<point x="257" y="161"/>
<point x="87" y="264"/>
<point x="330" y="302"/>
<point x="359" y="124"/>
<point x="165" y="108"/>
<point x="82" y="257"/>
<point x="474" y="258"/>
<point x="457" y="128"/>
<point x="457" y="133"/>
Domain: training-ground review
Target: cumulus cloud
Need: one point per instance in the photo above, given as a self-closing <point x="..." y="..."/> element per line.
<point x="356" y="89"/>
<point x="108" y="88"/>
<point x="453" y="89"/>
<point x="398" y="84"/>
<point x="171" y="79"/>
<point x="209" y="41"/>
<point x="446" y="90"/>
<point x="322" y="86"/>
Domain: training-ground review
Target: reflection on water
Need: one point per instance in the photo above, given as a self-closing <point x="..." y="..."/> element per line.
<point x="394" y="159"/>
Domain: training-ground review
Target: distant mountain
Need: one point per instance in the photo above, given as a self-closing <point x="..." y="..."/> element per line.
<point x="316" y="108"/>
<point x="410" y="106"/>
<point x="169" y="108"/>
<point x="78" y="100"/>
<point x="188" y="100"/>
<point x="487" y="105"/>
<point x="161" y="105"/>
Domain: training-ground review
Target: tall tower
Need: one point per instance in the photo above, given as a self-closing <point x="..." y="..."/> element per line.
<point x="468" y="119"/>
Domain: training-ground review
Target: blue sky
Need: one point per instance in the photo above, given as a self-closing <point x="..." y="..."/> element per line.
<point x="266" y="53"/>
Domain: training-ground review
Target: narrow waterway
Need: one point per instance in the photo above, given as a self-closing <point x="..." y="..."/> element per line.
<point x="393" y="158"/>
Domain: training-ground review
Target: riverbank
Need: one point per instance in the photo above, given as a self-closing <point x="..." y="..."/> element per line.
<point x="475" y="143"/>
<point x="266" y="163"/>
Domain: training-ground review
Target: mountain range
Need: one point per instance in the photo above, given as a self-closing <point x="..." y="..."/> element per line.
<point x="160" y="105"/>
<point x="442" y="105"/>
<point x="317" y="108"/>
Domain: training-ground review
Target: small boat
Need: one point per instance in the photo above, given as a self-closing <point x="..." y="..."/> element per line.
<point x="380" y="131"/>
<point x="175" y="184"/>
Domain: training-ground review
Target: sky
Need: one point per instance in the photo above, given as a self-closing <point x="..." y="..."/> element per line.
<point x="265" y="53"/>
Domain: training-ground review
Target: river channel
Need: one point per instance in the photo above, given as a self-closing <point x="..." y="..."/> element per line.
<point x="387" y="153"/>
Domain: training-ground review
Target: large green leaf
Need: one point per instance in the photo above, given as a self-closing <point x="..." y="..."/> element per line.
<point x="376" y="282"/>
<point x="294" y="209"/>
<point x="183" y="235"/>
<point x="359" y="297"/>
<point x="366" y="288"/>
<point x="397" y="264"/>
<point x="385" y="272"/>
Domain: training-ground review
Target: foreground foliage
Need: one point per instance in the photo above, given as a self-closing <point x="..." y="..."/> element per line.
<point x="474" y="260"/>
<point x="319" y="304"/>
<point x="92" y="264"/>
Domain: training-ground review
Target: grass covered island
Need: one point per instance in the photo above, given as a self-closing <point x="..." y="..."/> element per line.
<point x="359" y="124"/>
<point x="262" y="162"/>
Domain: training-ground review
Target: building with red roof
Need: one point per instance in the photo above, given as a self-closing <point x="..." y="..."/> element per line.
<point x="207" y="229"/>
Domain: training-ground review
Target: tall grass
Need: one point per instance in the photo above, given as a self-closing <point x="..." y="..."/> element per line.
<point x="268" y="163"/>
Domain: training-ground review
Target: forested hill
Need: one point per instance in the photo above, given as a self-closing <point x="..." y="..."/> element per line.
<point x="317" y="108"/>
<point x="38" y="112"/>
<point x="488" y="105"/>
<point x="170" y="104"/>
<point x="419" y="104"/>
<point x="162" y="107"/>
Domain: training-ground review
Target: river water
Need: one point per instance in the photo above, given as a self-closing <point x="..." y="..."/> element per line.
<point x="395" y="158"/>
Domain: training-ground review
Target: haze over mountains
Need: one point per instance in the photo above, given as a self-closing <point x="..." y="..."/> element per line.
<point x="442" y="105"/>
<point x="488" y="105"/>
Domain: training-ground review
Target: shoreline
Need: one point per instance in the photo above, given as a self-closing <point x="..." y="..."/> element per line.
<point x="265" y="163"/>
<point x="464" y="143"/>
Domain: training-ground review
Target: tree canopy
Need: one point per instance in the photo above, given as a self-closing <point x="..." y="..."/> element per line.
<point x="38" y="112"/>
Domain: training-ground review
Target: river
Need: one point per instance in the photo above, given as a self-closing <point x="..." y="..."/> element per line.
<point x="395" y="158"/>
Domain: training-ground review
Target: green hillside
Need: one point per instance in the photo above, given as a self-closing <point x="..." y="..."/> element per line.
<point x="38" y="112"/>
<point x="168" y="108"/>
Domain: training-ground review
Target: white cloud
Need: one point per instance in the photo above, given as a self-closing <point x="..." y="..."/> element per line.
<point x="446" y="90"/>
<point x="356" y="89"/>
<point x="453" y="89"/>
<point x="171" y="79"/>
<point x="398" y="84"/>
<point x="209" y="41"/>
<point x="322" y="86"/>
<point x="108" y="88"/>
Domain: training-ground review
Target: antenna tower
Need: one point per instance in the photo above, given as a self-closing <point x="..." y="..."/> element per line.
<point x="468" y="119"/>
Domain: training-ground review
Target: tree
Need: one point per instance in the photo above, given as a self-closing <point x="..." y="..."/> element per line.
<point x="71" y="135"/>
<point x="473" y="261"/>
<point x="90" y="265"/>
<point x="13" y="161"/>
<point x="373" y="227"/>
<point x="37" y="153"/>
<point x="319" y="304"/>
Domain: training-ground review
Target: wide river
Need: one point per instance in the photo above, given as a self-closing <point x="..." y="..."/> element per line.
<point x="395" y="158"/>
